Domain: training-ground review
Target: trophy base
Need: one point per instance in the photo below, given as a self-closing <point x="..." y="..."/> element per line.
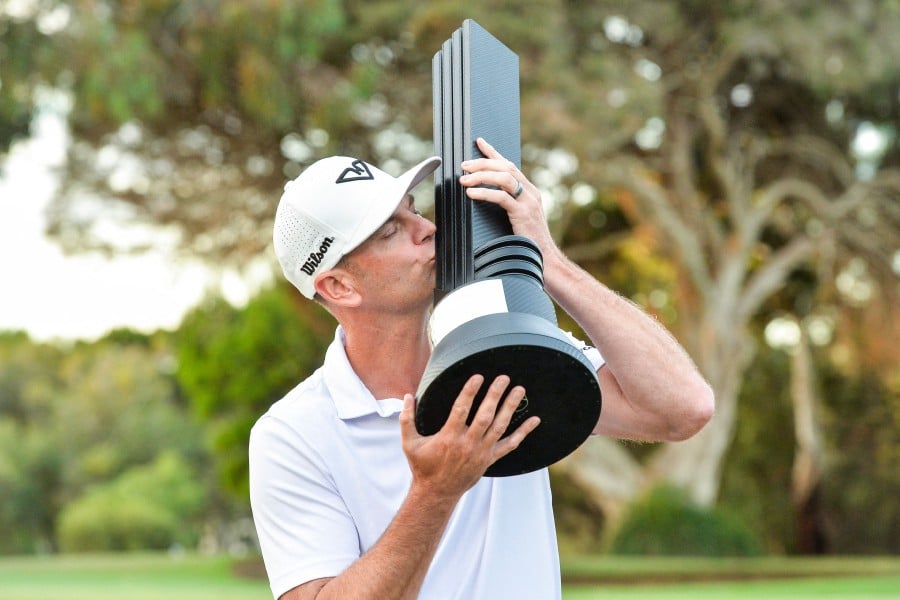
<point x="561" y="386"/>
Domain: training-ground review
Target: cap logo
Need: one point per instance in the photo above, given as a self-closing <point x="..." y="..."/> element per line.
<point x="315" y="258"/>
<point x="357" y="171"/>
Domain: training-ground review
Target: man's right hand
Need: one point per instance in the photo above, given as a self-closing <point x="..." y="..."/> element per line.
<point x="451" y="461"/>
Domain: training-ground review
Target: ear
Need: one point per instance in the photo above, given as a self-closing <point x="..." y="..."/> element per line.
<point x="338" y="287"/>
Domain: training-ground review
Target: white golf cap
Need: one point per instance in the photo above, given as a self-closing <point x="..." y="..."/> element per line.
<point x="331" y="208"/>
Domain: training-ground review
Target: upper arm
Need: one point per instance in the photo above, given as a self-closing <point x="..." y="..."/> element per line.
<point x="306" y="533"/>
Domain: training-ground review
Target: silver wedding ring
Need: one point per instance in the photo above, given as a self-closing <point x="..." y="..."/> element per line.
<point x="519" y="189"/>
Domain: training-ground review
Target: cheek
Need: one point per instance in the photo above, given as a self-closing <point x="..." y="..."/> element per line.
<point x="384" y="272"/>
<point x="389" y="269"/>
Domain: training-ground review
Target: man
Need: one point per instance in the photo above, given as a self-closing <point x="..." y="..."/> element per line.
<point x="349" y="500"/>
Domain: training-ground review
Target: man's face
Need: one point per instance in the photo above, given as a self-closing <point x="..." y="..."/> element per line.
<point x="395" y="266"/>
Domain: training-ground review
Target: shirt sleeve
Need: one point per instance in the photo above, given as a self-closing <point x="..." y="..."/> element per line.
<point x="589" y="351"/>
<point x="305" y="530"/>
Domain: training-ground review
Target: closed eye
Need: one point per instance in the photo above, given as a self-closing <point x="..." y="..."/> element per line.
<point x="388" y="229"/>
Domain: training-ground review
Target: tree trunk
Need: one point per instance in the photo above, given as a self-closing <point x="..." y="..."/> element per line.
<point x="808" y="460"/>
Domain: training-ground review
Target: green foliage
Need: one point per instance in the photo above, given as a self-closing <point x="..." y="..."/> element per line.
<point x="859" y="421"/>
<point x="149" y="507"/>
<point x="29" y="376"/>
<point x="32" y="462"/>
<point x="234" y="363"/>
<point x="756" y="481"/>
<point x="22" y="50"/>
<point x="104" y="523"/>
<point x="122" y="57"/>
<point x="579" y="523"/>
<point x="862" y="480"/>
<point x="118" y="407"/>
<point x="147" y="62"/>
<point x="31" y="466"/>
<point x="665" y="522"/>
<point x="78" y="417"/>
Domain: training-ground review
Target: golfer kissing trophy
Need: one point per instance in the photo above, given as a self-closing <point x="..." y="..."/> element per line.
<point x="491" y="314"/>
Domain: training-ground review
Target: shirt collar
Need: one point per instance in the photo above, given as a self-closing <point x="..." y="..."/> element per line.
<point x="351" y="397"/>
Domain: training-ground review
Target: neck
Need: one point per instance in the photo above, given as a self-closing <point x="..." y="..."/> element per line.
<point x="388" y="354"/>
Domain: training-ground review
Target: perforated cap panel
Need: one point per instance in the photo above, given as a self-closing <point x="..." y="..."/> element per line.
<point x="304" y="247"/>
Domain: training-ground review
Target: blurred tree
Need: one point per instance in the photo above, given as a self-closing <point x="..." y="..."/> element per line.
<point x="31" y="465"/>
<point x="117" y="407"/>
<point x="862" y="421"/>
<point x="737" y="172"/>
<point x="849" y="511"/>
<point x="72" y="418"/>
<point x="192" y="115"/>
<point x="29" y="375"/>
<point x="757" y="482"/>
<point x="31" y="461"/>
<point x="22" y="51"/>
<point x="664" y="521"/>
<point x="234" y="363"/>
<point x="149" y="507"/>
<point x="809" y="458"/>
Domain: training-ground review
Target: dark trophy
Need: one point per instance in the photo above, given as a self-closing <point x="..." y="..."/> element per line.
<point x="491" y="313"/>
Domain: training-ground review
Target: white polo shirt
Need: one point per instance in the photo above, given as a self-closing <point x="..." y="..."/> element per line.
<point x="328" y="474"/>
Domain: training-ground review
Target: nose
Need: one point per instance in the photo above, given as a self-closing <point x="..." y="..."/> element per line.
<point x="425" y="229"/>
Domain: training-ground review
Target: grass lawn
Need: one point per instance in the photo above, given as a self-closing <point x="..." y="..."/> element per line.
<point x="125" y="576"/>
<point x="770" y="578"/>
<point x="843" y="588"/>
<point x="190" y="577"/>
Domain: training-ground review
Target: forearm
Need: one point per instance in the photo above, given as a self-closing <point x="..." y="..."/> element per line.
<point x="651" y="387"/>
<point x="395" y="567"/>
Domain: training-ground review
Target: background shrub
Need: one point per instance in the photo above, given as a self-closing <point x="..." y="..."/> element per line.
<point x="102" y="521"/>
<point x="147" y="508"/>
<point x="666" y="522"/>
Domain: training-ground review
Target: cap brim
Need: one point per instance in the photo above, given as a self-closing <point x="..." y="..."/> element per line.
<point x="418" y="173"/>
<point x="405" y="183"/>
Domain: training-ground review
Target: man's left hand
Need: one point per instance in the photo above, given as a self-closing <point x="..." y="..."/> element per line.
<point x="510" y="190"/>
